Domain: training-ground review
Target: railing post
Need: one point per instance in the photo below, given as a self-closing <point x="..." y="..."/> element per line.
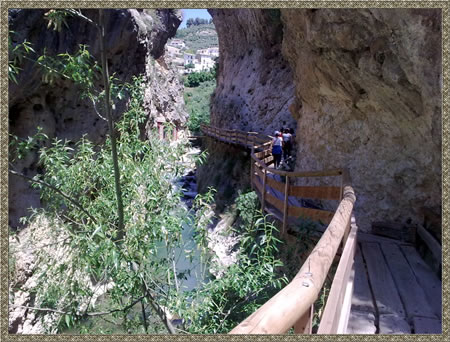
<point x="263" y="204"/>
<point x="286" y="204"/>
<point x="252" y="172"/>
<point x="304" y="324"/>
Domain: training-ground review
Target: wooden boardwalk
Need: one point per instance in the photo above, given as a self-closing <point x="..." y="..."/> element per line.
<point x="395" y="292"/>
<point x="381" y="285"/>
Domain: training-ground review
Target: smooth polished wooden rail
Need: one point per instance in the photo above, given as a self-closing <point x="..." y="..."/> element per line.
<point x="277" y="190"/>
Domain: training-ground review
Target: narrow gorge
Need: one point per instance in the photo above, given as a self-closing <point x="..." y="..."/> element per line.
<point x="360" y="88"/>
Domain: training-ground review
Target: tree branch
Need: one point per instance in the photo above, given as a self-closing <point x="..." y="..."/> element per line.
<point x="67" y="197"/>
<point x="101" y="27"/>
<point x="81" y="16"/>
<point x="160" y="312"/>
<point x="90" y="314"/>
<point x="96" y="110"/>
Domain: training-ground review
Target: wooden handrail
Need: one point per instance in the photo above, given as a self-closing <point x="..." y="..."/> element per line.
<point x="289" y="305"/>
<point x="292" y="305"/>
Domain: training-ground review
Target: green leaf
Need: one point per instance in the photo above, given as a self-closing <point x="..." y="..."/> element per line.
<point x="67" y="319"/>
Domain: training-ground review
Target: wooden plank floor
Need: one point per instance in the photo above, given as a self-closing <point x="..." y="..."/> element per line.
<point x="395" y="292"/>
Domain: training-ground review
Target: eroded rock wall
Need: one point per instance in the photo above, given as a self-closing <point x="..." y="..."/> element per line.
<point x="368" y="97"/>
<point x="135" y="46"/>
<point x="367" y="89"/>
<point x="255" y="85"/>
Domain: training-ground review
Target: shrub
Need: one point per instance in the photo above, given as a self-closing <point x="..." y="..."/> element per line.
<point x="197" y="104"/>
<point x="222" y="303"/>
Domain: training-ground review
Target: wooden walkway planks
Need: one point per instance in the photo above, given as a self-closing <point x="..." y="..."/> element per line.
<point x="383" y="286"/>
<point x="424" y="325"/>
<point x="427" y="279"/>
<point x="394" y="270"/>
<point x="361" y="322"/>
<point x="412" y="295"/>
<point x="362" y="295"/>
<point x="392" y="324"/>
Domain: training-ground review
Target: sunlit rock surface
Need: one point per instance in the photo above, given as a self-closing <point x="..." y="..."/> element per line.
<point x="366" y="92"/>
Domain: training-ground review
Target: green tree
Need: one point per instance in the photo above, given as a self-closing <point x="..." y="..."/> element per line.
<point x="77" y="188"/>
<point x="58" y="17"/>
<point x="194" y="79"/>
<point x="80" y="194"/>
<point x="79" y="70"/>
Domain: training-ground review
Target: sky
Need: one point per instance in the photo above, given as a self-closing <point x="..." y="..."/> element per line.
<point x="194" y="13"/>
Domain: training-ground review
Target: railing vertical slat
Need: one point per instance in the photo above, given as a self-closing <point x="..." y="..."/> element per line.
<point x="263" y="204"/>
<point x="344" y="239"/>
<point x="286" y="204"/>
<point x="252" y="173"/>
<point x="334" y="310"/>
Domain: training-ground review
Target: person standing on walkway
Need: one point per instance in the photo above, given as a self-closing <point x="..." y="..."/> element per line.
<point x="287" y="143"/>
<point x="277" y="144"/>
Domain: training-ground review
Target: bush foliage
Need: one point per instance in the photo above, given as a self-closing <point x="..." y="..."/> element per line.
<point x="198" y="104"/>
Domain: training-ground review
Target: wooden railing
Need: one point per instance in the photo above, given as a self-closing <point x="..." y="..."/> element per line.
<point x="293" y="305"/>
<point x="278" y="191"/>
<point x="233" y="136"/>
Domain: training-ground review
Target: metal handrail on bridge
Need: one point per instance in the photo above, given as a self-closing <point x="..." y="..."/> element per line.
<point x="292" y="306"/>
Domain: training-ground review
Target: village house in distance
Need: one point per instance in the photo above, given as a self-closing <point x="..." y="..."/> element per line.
<point x="201" y="60"/>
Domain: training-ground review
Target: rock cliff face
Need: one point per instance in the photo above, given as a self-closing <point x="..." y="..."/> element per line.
<point x="255" y="86"/>
<point x="135" y="46"/>
<point x="366" y="96"/>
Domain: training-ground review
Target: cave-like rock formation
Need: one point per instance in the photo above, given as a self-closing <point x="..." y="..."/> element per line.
<point x="365" y="87"/>
<point x="135" y="46"/>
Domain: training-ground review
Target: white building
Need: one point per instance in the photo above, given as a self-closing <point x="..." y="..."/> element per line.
<point x="189" y="58"/>
<point x="201" y="62"/>
<point x="177" y="43"/>
<point x="205" y="62"/>
<point x="172" y="51"/>
<point x="212" y="51"/>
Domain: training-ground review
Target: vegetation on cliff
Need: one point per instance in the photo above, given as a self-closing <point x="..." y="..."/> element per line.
<point x="197" y="104"/>
<point x="198" y="37"/>
<point x="199" y="86"/>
